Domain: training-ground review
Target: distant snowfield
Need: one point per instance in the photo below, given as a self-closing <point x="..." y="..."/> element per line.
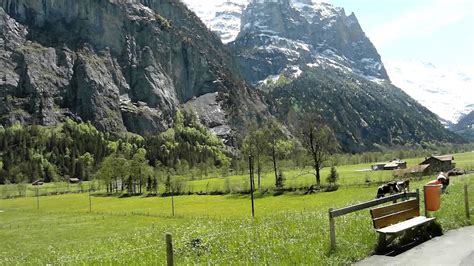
<point x="449" y="93"/>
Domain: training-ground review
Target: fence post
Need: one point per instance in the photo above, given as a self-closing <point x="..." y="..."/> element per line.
<point x="466" y="202"/>
<point x="169" y="250"/>
<point x="332" y="230"/>
<point x="90" y="200"/>
<point x="172" y="202"/>
<point x="424" y="200"/>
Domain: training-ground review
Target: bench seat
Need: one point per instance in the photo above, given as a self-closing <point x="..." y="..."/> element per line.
<point x="402" y="226"/>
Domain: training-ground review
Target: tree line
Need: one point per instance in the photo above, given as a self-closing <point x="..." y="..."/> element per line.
<point x="135" y="164"/>
<point x="79" y="150"/>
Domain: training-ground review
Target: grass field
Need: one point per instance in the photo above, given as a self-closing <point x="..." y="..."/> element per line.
<point x="288" y="229"/>
<point x="349" y="175"/>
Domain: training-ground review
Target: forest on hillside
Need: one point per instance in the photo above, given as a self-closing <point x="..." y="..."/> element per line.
<point x="132" y="162"/>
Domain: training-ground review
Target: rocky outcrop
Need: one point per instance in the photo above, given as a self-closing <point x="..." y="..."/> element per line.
<point x="121" y="64"/>
<point x="211" y="113"/>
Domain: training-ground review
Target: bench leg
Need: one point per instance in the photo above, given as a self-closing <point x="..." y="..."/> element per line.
<point x="382" y="240"/>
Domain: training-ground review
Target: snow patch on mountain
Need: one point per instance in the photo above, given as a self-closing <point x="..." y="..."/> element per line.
<point x="449" y="93"/>
<point x="222" y="17"/>
<point x="310" y="8"/>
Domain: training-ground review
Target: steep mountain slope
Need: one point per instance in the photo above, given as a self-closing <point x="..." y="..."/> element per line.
<point x="310" y="57"/>
<point x="364" y="115"/>
<point x="124" y="65"/>
<point x="446" y="92"/>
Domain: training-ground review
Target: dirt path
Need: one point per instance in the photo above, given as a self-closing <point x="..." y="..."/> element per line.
<point x="453" y="248"/>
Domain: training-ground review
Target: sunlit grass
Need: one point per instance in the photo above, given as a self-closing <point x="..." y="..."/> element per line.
<point x="288" y="229"/>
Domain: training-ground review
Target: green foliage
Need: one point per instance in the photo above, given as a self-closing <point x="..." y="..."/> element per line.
<point x="164" y="23"/>
<point x="280" y="181"/>
<point x="113" y="167"/>
<point x="29" y="153"/>
<point x="187" y="141"/>
<point x="47" y="153"/>
<point x="333" y="176"/>
<point x="281" y="81"/>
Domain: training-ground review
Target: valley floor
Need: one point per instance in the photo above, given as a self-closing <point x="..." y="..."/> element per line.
<point x="288" y="229"/>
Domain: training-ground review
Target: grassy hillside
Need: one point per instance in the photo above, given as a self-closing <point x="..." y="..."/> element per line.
<point x="287" y="229"/>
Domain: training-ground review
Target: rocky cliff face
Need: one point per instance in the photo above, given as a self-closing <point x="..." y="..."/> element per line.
<point x="122" y="64"/>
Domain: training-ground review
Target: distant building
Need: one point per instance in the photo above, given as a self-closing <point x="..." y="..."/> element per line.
<point x="392" y="165"/>
<point x="38" y="182"/>
<point x="74" y="180"/>
<point x="377" y="167"/>
<point x="443" y="163"/>
<point x="418" y="170"/>
<point x="395" y="164"/>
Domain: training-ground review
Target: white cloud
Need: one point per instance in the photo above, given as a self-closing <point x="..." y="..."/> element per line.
<point x="423" y="21"/>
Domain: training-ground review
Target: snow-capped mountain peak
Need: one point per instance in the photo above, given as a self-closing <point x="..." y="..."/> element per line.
<point x="286" y="36"/>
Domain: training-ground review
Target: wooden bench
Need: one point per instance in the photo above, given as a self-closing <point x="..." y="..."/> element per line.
<point x="392" y="220"/>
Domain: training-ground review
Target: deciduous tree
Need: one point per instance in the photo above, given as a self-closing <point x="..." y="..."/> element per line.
<point x="319" y="141"/>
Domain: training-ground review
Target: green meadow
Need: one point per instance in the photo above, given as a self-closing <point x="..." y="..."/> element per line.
<point x="349" y="175"/>
<point x="287" y="229"/>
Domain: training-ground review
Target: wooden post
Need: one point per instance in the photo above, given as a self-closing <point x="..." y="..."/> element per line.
<point x="37" y="198"/>
<point x="417" y="196"/>
<point x="90" y="200"/>
<point x="424" y="200"/>
<point x="172" y="202"/>
<point x="251" y="184"/>
<point x="169" y="250"/>
<point x="466" y="202"/>
<point x="332" y="230"/>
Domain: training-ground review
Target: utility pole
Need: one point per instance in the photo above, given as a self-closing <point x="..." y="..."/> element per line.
<point x="251" y="184"/>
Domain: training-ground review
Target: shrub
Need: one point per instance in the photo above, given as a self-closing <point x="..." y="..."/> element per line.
<point x="332" y="177"/>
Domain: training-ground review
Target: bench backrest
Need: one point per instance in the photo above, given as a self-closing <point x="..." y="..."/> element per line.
<point x="392" y="214"/>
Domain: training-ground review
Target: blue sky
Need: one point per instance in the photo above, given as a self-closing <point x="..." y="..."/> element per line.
<point x="436" y="31"/>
